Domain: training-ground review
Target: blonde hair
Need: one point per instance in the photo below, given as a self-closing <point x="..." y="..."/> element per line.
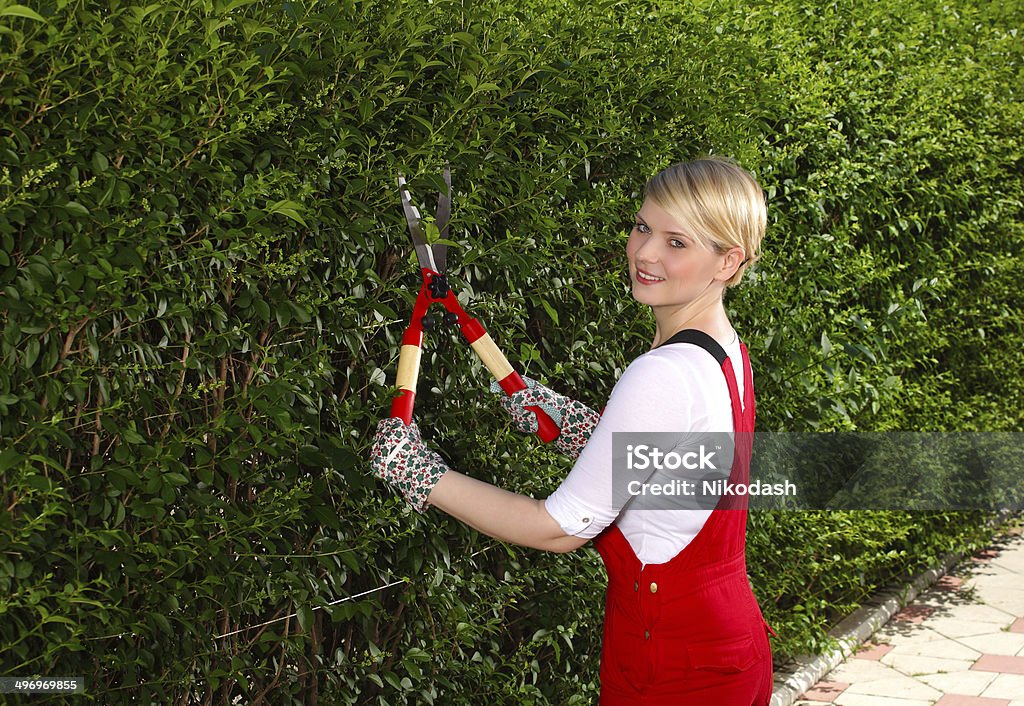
<point x="720" y="203"/>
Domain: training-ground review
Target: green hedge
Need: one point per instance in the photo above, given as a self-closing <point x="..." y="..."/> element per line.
<point x="204" y="271"/>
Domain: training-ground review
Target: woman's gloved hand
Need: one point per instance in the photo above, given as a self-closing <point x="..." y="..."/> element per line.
<point x="575" y="419"/>
<point x="400" y="457"/>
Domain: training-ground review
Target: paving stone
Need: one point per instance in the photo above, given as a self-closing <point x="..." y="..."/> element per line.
<point x="993" y="579"/>
<point x="946" y="604"/>
<point x="913" y="665"/>
<point x="899" y="687"/>
<point x="1005" y="686"/>
<point x="1005" y="592"/>
<point x="948" y="583"/>
<point x="968" y="683"/>
<point x="870" y="650"/>
<point x="984" y="614"/>
<point x="961" y="700"/>
<point x="901" y="635"/>
<point x="848" y="699"/>
<point x="1012" y="559"/>
<point x="949" y="597"/>
<point x="1000" y="663"/>
<point x="943" y="648"/>
<point x="824" y="692"/>
<point x="861" y="670"/>
<point x="914" y="613"/>
<point x="1014" y="605"/>
<point x="998" y="643"/>
<point x="1017" y="626"/>
<point x="957" y="628"/>
<point x="985" y="555"/>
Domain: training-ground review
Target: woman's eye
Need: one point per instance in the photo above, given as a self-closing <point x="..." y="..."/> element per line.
<point x="676" y="243"/>
<point x="642" y="227"/>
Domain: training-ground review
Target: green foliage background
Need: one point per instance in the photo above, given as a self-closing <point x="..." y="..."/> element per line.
<point x="204" y="270"/>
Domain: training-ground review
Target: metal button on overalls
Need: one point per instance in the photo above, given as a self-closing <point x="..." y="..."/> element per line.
<point x="654" y="587"/>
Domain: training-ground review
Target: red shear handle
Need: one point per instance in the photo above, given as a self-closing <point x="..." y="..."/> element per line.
<point x="547" y="430"/>
<point x="505" y="374"/>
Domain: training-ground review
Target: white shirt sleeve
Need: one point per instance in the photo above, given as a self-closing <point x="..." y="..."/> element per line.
<point x="661" y="391"/>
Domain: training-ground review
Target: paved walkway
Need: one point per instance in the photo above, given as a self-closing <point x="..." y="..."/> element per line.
<point x="961" y="643"/>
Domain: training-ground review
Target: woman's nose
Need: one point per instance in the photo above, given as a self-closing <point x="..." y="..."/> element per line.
<point x="646" y="252"/>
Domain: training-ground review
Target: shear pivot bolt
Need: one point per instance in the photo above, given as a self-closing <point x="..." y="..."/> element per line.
<point x="438" y="287"/>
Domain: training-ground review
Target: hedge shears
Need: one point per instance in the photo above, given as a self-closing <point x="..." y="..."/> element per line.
<point x="435" y="290"/>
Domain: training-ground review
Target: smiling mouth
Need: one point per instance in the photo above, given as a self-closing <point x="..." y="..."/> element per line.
<point x="648" y="279"/>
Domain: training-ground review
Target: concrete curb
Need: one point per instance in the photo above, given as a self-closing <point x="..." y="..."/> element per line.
<point x="852" y="632"/>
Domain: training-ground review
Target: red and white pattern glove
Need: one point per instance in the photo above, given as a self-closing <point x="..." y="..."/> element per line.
<point x="575" y="419"/>
<point x="400" y="457"/>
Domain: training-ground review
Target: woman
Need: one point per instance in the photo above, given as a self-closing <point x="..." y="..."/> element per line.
<point x="681" y="624"/>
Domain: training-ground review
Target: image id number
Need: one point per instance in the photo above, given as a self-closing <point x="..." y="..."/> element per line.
<point x="41" y="685"/>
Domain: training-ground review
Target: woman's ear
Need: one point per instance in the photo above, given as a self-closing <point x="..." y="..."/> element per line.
<point x="731" y="261"/>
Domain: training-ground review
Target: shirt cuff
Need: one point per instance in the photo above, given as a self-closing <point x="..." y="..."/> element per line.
<point x="578" y="522"/>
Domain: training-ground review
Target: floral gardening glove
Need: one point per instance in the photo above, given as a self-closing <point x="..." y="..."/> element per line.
<point x="575" y="419"/>
<point x="400" y="457"/>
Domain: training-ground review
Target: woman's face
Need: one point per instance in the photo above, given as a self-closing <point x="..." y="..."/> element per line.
<point x="667" y="266"/>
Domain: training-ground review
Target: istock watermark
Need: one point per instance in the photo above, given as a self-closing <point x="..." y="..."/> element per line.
<point x="642" y="457"/>
<point x="679" y="471"/>
<point x="710" y="488"/>
<point x="919" y="471"/>
<point x="924" y="471"/>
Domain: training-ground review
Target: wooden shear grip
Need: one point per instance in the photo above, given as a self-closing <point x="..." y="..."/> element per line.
<point x="496" y="362"/>
<point x="408" y="375"/>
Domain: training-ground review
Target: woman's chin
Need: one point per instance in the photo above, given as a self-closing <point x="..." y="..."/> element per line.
<point x="642" y="294"/>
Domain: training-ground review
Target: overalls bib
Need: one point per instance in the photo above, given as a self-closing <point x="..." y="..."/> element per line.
<point x="689" y="631"/>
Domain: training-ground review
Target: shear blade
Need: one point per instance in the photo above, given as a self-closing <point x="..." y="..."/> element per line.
<point x="424" y="252"/>
<point x="444" y="212"/>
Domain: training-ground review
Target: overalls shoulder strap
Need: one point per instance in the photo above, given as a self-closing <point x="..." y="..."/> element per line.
<point x="699" y="338"/>
<point x="746" y="412"/>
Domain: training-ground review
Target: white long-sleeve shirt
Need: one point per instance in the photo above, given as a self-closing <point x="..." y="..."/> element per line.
<point x="674" y="388"/>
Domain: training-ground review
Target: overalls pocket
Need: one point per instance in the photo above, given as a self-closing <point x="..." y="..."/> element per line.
<point x="724" y="656"/>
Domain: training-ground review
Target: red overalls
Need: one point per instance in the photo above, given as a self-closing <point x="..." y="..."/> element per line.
<point x="689" y="631"/>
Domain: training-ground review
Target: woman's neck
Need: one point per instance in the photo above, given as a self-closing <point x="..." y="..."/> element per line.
<point x="709" y="318"/>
